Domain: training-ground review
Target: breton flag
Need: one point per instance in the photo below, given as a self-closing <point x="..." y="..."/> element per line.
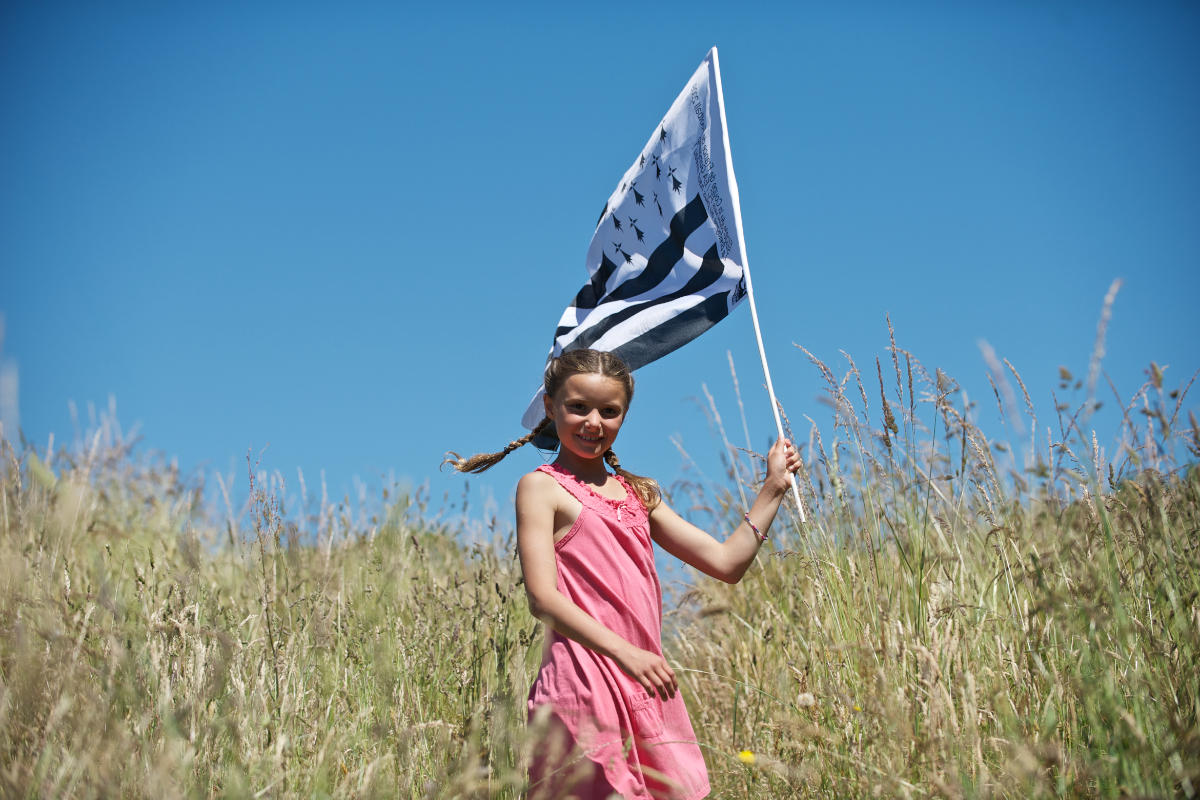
<point x="667" y="259"/>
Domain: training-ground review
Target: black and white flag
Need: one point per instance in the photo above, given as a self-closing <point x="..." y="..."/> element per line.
<point x="667" y="258"/>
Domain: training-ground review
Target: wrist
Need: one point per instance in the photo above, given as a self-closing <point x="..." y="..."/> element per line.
<point x="775" y="488"/>
<point x="758" y="534"/>
<point x="620" y="652"/>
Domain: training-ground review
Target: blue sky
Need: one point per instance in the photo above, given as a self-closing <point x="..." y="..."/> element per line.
<point x="345" y="233"/>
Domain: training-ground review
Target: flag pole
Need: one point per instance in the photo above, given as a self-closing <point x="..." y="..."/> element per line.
<point x="766" y="370"/>
<point x="737" y="215"/>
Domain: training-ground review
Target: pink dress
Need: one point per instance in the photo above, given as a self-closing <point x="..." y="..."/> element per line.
<point x="645" y="747"/>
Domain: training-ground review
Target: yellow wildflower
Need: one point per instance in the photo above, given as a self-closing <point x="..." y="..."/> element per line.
<point x="746" y="756"/>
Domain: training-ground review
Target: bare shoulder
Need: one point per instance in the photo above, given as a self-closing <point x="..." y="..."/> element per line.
<point x="536" y="481"/>
<point x="537" y="489"/>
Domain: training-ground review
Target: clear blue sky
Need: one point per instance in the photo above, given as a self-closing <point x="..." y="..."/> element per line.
<point x="347" y="231"/>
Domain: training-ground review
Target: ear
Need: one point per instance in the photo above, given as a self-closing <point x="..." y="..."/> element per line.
<point x="547" y="403"/>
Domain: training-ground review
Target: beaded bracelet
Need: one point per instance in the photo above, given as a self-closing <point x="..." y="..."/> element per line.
<point x="762" y="537"/>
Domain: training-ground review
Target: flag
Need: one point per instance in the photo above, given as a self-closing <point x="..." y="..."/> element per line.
<point x="667" y="260"/>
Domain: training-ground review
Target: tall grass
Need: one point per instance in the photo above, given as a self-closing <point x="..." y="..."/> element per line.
<point x="955" y="622"/>
<point x="147" y="652"/>
<point x="961" y="617"/>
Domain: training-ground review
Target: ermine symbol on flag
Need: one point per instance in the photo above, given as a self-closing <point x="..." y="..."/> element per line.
<point x="685" y="270"/>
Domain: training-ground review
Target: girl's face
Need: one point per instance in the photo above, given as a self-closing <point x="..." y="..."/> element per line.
<point x="587" y="412"/>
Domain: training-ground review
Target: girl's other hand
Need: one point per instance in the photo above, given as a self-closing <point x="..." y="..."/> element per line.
<point x="650" y="670"/>
<point x="782" y="461"/>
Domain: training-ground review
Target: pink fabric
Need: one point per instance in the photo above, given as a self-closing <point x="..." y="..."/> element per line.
<point x="645" y="746"/>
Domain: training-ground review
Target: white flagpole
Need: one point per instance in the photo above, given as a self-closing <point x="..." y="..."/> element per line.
<point x="767" y="371"/>
<point x="737" y="215"/>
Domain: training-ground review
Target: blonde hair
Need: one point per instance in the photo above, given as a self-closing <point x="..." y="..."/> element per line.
<point x="575" y="362"/>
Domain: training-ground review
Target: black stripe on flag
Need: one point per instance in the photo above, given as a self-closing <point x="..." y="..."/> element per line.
<point x="675" y="332"/>
<point x="683" y="224"/>
<point x="592" y="292"/>
<point x="711" y="270"/>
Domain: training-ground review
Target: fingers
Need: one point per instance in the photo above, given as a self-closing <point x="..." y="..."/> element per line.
<point x="660" y="681"/>
<point x="670" y="686"/>
<point x="664" y="685"/>
<point x="793" y="458"/>
<point x="651" y="671"/>
<point x="783" y="450"/>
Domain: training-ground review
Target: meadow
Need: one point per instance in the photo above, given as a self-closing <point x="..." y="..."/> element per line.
<point x="961" y="616"/>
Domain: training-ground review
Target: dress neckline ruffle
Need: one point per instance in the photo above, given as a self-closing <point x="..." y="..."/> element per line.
<point x="614" y="502"/>
<point x="626" y="509"/>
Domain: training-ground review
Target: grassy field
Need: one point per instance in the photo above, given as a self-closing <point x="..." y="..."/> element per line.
<point x="960" y="617"/>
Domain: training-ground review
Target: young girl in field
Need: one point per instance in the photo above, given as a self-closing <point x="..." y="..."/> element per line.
<point x="584" y="537"/>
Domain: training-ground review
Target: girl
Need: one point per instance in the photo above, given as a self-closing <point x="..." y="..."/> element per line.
<point x="584" y="539"/>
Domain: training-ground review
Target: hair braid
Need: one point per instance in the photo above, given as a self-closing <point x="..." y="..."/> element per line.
<point x="484" y="461"/>
<point x="647" y="489"/>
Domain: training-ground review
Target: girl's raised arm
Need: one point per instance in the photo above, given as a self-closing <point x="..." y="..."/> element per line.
<point x="538" y="500"/>
<point x="729" y="560"/>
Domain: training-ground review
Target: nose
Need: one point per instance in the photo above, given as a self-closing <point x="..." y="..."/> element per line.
<point x="592" y="420"/>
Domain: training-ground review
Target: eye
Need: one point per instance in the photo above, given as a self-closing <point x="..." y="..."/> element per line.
<point x="611" y="412"/>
